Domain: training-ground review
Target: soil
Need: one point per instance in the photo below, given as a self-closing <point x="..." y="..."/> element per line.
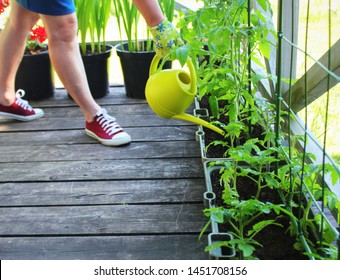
<point x="276" y="241"/>
<point x="35" y="50"/>
<point x="210" y="136"/>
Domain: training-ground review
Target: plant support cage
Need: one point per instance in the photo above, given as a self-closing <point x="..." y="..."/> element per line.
<point x="312" y="187"/>
<point x="292" y="95"/>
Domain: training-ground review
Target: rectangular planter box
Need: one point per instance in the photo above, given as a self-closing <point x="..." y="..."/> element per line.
<point x="203" y="114"/>
<point x="221" y="252"/>
<point x="209" y="198"/>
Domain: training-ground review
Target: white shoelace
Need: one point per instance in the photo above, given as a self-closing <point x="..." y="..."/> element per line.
<point x="108" y="123"/>
<point x="22" y="103"/>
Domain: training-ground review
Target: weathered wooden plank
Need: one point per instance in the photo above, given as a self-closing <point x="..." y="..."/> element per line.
<point x="107" y="219"/>
<point x="116" y="95"/>
<point x="64" y="196"/>
<point x="317" y="80"/>
<point x="136" y="150"/>
<point x="79" y="123"/>
<point x="101" y="192"/>
<point x="61" y="137"/>
<point x="289" y="54"/>
<point x="101" y="170"/>
<point x="150" y="247"/>
<point x="115" y="110"/>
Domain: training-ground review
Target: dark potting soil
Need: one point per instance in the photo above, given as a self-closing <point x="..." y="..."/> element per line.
<point x="218" y="151"/>
<point x="276" y="240"/>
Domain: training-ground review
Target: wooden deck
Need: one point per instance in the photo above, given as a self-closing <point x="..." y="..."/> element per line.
<point x="64" y="196"/>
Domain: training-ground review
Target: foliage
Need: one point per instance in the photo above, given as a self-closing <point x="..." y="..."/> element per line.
<point x="93" y="16"/>
<point x="225" y="41"/>
<point x="168" y="8"/>
<point x="128" y="17"/>
<point x="259" y="166"/>
<point x="239" y="215"/>
<point x="35" y="40"/>
<point x="228" y="37"/>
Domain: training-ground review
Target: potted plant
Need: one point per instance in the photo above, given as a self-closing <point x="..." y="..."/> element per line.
<point x="261" y="206"/>
<point x="37" y="84"/>
<point x="135" y="53"/>
<point x="3" y="5"/>
<point x="225" y="43"/>
<point x="168" y="8"/>
<point x="257" y="190"/>
<point x="93" y="16"/>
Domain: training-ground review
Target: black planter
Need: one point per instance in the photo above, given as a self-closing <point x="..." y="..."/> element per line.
<point x="97" y="72"/>
<point x="35" y="76"/>
<point x="135" y="67"/>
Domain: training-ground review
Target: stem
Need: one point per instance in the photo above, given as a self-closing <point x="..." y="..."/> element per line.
<point x="259" y="183"/>
<point x="253" y="218"/>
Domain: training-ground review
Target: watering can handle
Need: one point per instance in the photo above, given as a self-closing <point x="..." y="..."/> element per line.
<point x="193" y="86"/>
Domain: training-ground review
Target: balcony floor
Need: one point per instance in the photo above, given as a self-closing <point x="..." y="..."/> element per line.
<point x="64" y="196"/>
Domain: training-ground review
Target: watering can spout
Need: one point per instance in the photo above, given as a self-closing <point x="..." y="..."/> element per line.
<point x="190" y="118"/>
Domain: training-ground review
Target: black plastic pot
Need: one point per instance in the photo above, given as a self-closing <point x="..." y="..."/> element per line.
<point x="97" y="72"/>
<point x="135" y="68"/>
<point x="35" y="76"/>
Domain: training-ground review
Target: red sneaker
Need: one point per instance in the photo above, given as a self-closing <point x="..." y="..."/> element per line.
<point x="20" y="109"/>
<point x="105" y="129"/>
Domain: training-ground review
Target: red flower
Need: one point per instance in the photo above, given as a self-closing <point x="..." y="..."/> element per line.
<point x="35" y="40"/>
<point x="38" y="33"/>
<point x="3" y="4"/>
<point x="36" y="37"/>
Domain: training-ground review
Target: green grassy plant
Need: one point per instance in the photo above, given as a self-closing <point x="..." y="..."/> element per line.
<point x="93" y="16"/>
<point x="168" y="8"/>
<point x="127" y="20"/>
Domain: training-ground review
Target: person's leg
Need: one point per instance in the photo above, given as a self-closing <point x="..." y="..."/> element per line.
<point x="12" y="45"/>
<point x="65" y="56"/>
<point x="66" y="60"/>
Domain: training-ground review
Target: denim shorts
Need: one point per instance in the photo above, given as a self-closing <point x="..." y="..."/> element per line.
<point x="49" y="7"/>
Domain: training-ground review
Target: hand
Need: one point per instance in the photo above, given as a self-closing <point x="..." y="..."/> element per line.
<point x="165" y="37"/>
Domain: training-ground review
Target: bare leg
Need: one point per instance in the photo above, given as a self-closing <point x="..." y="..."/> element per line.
<point x="65" y="56"/>
<point x="12" y="46"/>
<point x="66" y="59"/>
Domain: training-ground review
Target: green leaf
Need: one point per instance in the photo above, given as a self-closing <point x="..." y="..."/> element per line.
<point x="220" y="215"/>
<point x="271" y="181"/>
<point x="261" y="225"/>
<point x="265" y="49"/>
<point x="263" y="4"/>
<point x="247" y="249"/>
<point x="182" y="54"/>
<point x="213" y="103"/>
